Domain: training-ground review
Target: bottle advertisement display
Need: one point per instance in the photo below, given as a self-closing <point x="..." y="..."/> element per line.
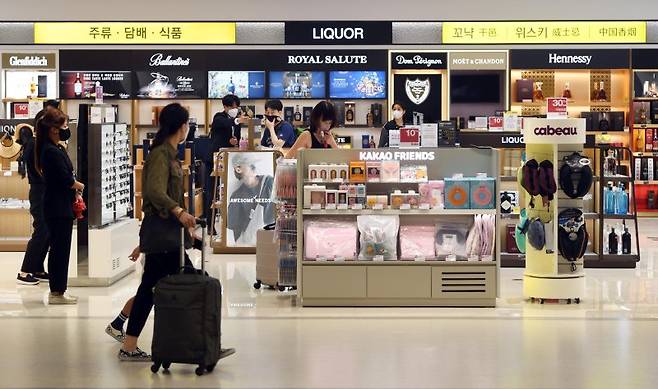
<point x="245" y="85"/>
<point x="30" y="84"/>
<point x="82" y="85"/>
<point x="171" y="84"/>
<point x="297" y="85"/>
<point x="420" y="93"/>
<point x="357" y="85"/>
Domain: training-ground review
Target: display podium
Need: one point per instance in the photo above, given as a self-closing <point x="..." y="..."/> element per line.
<point x="548" y="275"/>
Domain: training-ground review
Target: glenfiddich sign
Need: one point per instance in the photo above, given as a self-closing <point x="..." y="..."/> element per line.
<point x="28" y="61"/>
<point x="419" y="60"/>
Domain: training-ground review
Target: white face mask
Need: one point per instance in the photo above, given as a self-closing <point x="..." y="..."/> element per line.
<point x="233" y="112"/>
<point x="397" y="114"/>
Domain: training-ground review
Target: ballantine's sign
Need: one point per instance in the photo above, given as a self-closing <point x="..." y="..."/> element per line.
<point x="158" y="59"/>
<point x="554" y="131"/>
<point x="327" y="59"/>
<point x="396" y="156"/>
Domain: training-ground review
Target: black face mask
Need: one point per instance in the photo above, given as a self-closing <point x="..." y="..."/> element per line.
<point x="64" y="134"/>
<point x="272" y="118"/>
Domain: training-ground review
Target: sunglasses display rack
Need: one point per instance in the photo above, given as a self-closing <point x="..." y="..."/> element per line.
<point x="356" y="253"/>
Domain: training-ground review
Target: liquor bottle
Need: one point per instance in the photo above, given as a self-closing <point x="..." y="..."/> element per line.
<point x="77" y="86"/>
<point x="506" y="203"/>
<point x="626" y="241"/>
<point x="369" y="119"/>
<point x="655" y="139"/>
<point x="566" y="93"/>
<point x="244" y="144"/>
<point x="538" y="94"/>
<point x="231" y="86"/>
<point x="595" y="91"/>
<point x="613" y="242"/>
<point x="639" y="140"/>
<point x="349" y="114"/>
<point x="601" y="95"/>
<point x="33" y="88"/>
<point x="645" y="89"/>
<point x="372" y="144"/>
<point x="298" y="114"/>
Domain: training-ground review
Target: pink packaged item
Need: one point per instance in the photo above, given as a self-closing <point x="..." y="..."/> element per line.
<point x="431" y="193"/>
<point x="417" y="242"/>
<point x="330" y="240"/>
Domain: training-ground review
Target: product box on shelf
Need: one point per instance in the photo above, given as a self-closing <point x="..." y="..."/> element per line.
<point x="307" y="193"/>
<point x="457" y="193"/>
<point x="524" y="89"/>
<point x="648" y="144"/>
<point x="417" y="242"/>
<point x="342" y="197"/>
<point x="510" y="239"/>
<point x="397" y="199"/>
<point x="373" y="169"/>
<point x="331" y="198"/>
<point x="318" y="198"/>
<point x="357" y="171"/>
<point x="390" y="171"/>
<point x="431" y="193"/>
<point x="482" y="192"/>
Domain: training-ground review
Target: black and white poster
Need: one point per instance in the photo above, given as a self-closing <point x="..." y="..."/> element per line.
<point x="249" y="180"/>
<point x="420" y="93"/>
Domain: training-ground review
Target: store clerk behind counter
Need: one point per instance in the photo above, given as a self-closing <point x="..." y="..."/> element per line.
<point x="225" y="130"/>
<point x="277" y="133"/>
<point x="318" y="136"/>
<point x="395" y="124"/>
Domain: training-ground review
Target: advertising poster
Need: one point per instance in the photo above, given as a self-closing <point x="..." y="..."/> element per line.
<point x="82" y="85"/>
<point x="357" y="85"/>
<point x="297" y="85"/>
<point x="420" y="93"/>
<point x="245" y="85"/>
<point x="250" y="176"/>
<point x="166" y="84"/>
<point x="21" y="84"/>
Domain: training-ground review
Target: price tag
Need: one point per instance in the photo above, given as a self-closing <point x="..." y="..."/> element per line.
<point x="405" y="207"/>
<point x="410" y="137"/>
<point x="339" y="259"/>
<point x="424" y="206"/>
<point x="338" y="180"/>
<point x="378" y="207"/>
<point x="496" y="123"/>
<point x="419" y="259"/>
<point x="321" y="259"/>
<point x="378" y="258"/>
<point x="341" y="206"/>
<point x="7" y="173"/>
<point x="316" y="206"/>
<point x="556" y="107"/>
<point x="330" y="206"/>
<point x="357" y="207"/>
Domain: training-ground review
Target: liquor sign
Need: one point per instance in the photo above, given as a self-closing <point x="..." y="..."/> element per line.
<point x="554" y="131"/>
<point x="419" y="60"/>
<point x="409" y="137"/>
<point x="544" y="32"/>
<point x="134" y="33"/>
<point x="556" y="107"/>
<point x="339" y="33"/>
<point x="570" y="59"/>
<point x="29" y="61"/>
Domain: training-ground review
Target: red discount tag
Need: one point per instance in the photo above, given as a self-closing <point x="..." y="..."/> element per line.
<point x="410" y="137"/>
<point x="495" y="123"/>
<point x="556" y="107"/>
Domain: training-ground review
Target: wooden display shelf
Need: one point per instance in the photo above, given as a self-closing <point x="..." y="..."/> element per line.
<point x="13" y="244"/>
<point x="645" y="154"/>
<point x="646" y="182"/>
<point x="644" y="125"/>
<point x="401" y="212"/>
<point x="399" y="262"/>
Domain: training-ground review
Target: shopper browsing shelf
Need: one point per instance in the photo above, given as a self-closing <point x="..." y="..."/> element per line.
<point x="395" y="124"/>
<point x="318" y="136"/>
<point x="225" y="130"/>
<point x="278" y="133"/>
<point x="61" y="190"/>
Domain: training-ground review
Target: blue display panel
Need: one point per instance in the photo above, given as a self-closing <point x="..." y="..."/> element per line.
<point x="245" y="85"/>
<point x="297" y="85"/>
<point x="357" y="85"/>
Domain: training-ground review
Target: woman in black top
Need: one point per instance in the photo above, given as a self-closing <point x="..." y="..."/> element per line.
<point x="395" y="124"/>
<point x="61" y="189"/>
<point x="32" y="270"/>
<point x="318" y="136"/>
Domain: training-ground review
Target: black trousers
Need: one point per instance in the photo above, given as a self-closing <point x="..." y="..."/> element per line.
<point x="37" y="247"/>
<point x="61" y="230"/>
<point x="156" y="267"/>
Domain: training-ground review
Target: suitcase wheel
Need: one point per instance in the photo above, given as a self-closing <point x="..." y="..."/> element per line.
<point x="257" y="284"/>
<point x="281" y="288"/>
<point x="155" y="367"/>
<point x="200" y="370"/>
<point x="166" y="365"/>
<point x="210" y="368"/>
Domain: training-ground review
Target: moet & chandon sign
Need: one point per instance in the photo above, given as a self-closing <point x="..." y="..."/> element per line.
<point x="158" y="59"/>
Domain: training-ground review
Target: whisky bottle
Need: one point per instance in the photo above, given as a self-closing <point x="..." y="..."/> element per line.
<point x="231" y="86"/>
<point x="369" y="119"/>
<point x="595" y="91"/>
<point x="33" y="88"/>
<point x="77" y="86"/>
<point x="349" y="114"/>
<point x="372" y="144"/>
<point x="298" y="114"/>
<point x="538" y="94"/>
<point x="601" y="95"/>
<point x="567" y="91"/>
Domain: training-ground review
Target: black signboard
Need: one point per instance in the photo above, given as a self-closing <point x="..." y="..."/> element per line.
<point x="82" y="84"/>
<point x="419" y="60"/>
<point x="339" y="33"/>
<point x="645" y="59"/>
<point x="503" y="140"/>
<point x="168" y="74"/>
<point x="306" y="60"/>
<point x="570" y="59"/>
<point x="420" y="93"/>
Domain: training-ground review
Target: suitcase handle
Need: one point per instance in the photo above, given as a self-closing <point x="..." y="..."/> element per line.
<point x="203" y="224"/>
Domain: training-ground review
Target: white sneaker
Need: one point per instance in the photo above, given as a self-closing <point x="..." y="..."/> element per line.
<point x="62" y="299"/>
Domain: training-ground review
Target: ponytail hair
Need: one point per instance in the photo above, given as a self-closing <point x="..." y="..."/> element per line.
<point x="172" y="118"/>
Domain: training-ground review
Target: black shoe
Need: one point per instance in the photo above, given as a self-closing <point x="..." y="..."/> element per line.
<point x="27" y="280"/>
<point x="42" y="276"/>
<point x="134" y="356"/>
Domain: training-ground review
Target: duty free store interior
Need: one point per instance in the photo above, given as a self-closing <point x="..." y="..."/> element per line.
<point x="454" y="213"/>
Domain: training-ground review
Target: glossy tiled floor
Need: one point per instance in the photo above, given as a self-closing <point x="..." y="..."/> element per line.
<point x="609" y="341"/>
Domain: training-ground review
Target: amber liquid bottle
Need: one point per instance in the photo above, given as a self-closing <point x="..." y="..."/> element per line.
<point x="601" y="95"/>
<point x="567" y="91"/>
<point x="595" y="91"/>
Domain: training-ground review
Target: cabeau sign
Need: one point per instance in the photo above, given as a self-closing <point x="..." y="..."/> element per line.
<point x="554" y="131"/>
<point x="28" y="61"/>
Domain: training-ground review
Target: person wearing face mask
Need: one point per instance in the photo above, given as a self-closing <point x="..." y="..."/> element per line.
<point x="318" y="136"/>
<point x="61" y="188"/>
<point x="225" y="129"/>
<point x="278" y="133"/>
<point x="395" y="124"/>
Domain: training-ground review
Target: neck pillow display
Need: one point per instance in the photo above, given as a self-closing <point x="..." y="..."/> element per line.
<point x="536" y="234"/>
<point x="520" y="231"/>
<point x="538" y="180"/>
<point x="576" y="176"/>
<point x="546" y="182"/>
<point x="529" y="179"/>
<point x="572" y="235"/>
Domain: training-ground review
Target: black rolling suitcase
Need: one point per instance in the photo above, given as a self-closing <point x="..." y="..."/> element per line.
<point x="187" y="317"/>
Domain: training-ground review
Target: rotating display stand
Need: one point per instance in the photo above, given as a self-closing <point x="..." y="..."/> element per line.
<point x="548" y="275"/>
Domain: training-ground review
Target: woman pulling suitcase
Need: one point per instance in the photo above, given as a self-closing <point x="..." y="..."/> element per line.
<point x="163" y="202"/>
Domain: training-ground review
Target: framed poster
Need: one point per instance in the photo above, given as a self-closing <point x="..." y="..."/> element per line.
<point x="421" y="93"/>
<point x="246" y="204"/>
